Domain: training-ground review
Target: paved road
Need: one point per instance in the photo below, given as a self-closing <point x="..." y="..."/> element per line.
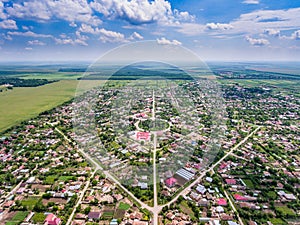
<point x="233" y="208"/>
<point x="157" y="208"/>
<point x="80" y="198"/>
<point x="187" y="189"/>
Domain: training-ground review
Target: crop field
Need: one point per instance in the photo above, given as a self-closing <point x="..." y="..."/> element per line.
<point x="24" y="103"/>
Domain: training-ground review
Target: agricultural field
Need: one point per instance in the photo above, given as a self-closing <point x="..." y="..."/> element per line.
<point x="23" y="103"/>
<point x="17" y="218"/>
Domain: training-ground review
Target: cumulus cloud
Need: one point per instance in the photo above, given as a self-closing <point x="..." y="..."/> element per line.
<point x="2" y="14"/>
<point x="218" y="26"/>
<point x="251" y="2"/>
<point x="257" y="42"/>
<point x="29" y="34"/>
<point x="36" y="42"/>
<point x="164" y="41"/>
<point x="111" y="36"/>
<point x="136" y="36"/>
<point x="8" y="24"/>
<point x="108" y="36"/>
<point x="140" y="11"/>
<point x="272" y="32"/>
<point x="69" y="10"/>
<point x="70" y="41"/>
<point x="28" y="48"/>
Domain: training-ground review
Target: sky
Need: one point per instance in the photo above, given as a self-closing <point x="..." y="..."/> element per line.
<point x="216" y="30"/>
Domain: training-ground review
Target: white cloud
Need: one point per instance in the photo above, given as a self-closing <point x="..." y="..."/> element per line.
<point x="258" y="21"/>
<point x="85" y="28"/>
<point x="257" y="42"/>
<point x="164" y="41"/>
<point x="111" y="36"/>
<point x="136" y="36"/>
<point x="2" y="14"/>
<point x="108" y="35"/>
<point x="73" y="24"/>
<point x="70" y="41"/>
<point x="218" y="26"/>
<point x="69" y="10"/>
<point x="140" y="11"/>
<point x="191" y="29"/>
<point x="29" y="34"/>
<point x="36" y="42"/>
<point x="8" y="24"/>
<point x="31" y="9"/>
<point x="28" y="48"/>
<point x="272" y="32"/>
<point x="296" y="35"/>
<point x="251" y="2"/>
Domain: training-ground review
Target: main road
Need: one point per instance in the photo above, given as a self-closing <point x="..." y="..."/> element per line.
<point x="157" y="208"/>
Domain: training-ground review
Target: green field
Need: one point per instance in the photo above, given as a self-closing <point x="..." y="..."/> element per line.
<point x="30" y="202"/>
<point x="66" y="178"/>
<point x="12" y="223"/>
<point x="18" y="218"/>
<point x="50" y="179"/>
<point x="248" y="183"/>
<point x="22" y="104"/>
<point x="124" y="206"/>
<point x="285" y="211"/>
<point x="38" y="218"/>
<point x="277" y="221"/>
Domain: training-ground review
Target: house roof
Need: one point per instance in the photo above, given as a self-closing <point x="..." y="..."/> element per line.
<point x="171" y="181"/>
<point x="222" y="201"/>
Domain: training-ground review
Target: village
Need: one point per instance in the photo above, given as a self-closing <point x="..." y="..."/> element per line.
<point x="156" y="141"/>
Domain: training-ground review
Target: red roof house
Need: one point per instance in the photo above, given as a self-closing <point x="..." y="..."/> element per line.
<point x="222" y="202"/>
<point x="51" y="219"/>
<point x="230" y="181"/>
<point x="143" y="136"/>
<point x="170" y="182"/>
<point x="239" y="197"/>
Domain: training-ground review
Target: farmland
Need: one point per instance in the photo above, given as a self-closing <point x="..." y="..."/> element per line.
<point x="23" y="103"/>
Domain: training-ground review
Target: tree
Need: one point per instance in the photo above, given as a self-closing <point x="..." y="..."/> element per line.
<point x="87" y="210"/>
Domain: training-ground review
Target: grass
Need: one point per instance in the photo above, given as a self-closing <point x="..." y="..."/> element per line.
<point x="38" y="218"/>
<point x="285" y="211"/>
<point x="124" y="206"/>
<point x="107" y="215"/>
<point x="12" y="223"/>
<point x="23" y="103"/>
<point x="50" y="179"/>
<point x="17" y="218"/>
<point x="248" y="183"/>
<point x="272" y="195"/>
<point x="30" y="202"/>
<point x="277" y="221"/>
<point x="66" y="178"/>
<point x="20" y="216"/>
<point x="186" y="209"/>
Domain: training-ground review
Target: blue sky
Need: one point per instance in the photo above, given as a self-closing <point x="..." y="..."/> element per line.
<point x="229" y="30"/>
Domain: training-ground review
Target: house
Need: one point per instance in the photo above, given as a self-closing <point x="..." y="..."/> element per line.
<point x="113" y="222"/>
<point x="143" y="136"/>
<point x="230" y="181"/>
<point x="222" y="202"/>
<point x="52" y="219"/>
<point x="171" y="182"/>
<point x="201" y="189"/>
<point x="238" y="197"/>
<point x="94" y="215"/>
